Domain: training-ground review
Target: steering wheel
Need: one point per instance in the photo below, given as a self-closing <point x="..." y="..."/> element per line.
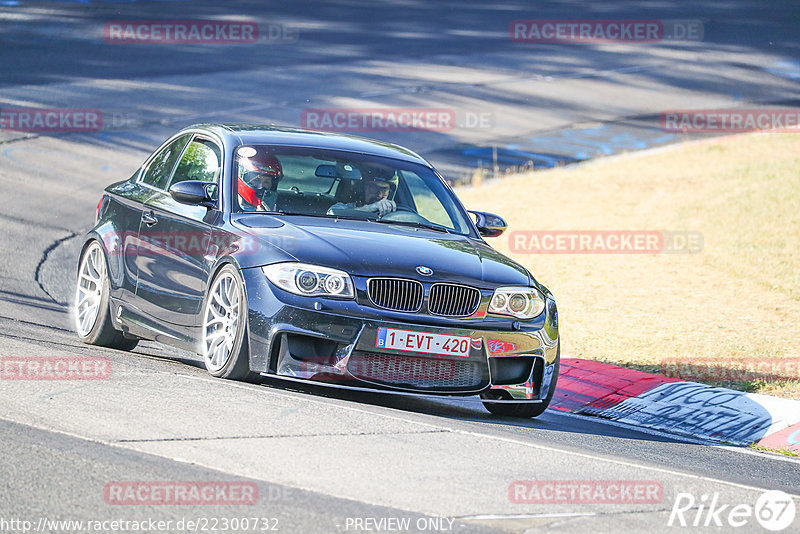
<point x="403" y="214"/>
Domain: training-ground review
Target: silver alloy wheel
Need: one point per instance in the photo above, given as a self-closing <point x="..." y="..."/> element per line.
<point x="89" y="290"/>
<point x="221" y="321"/>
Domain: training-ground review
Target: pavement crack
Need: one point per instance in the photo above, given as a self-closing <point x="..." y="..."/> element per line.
<point x="18" y="139"/>
<point x="273" y="436"/>
<point x="38" y="272"/>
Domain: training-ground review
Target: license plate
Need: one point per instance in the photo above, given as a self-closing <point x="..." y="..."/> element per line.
<point x="424" y="342"/>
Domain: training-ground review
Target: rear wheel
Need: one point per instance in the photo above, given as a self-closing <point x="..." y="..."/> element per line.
<point x="91" y="306"/>
<point x="224" y="343"/>
<point x="522" y="409"/>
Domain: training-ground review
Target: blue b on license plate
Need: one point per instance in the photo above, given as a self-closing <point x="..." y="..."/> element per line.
<point x="424" y="342"/>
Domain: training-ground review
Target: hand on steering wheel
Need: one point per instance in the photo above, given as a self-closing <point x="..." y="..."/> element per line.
<point x="383" y="207"/>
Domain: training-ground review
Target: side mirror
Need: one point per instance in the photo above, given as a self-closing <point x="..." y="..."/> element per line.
<point x="194" y="193"/>
<point x="489" y="224"/>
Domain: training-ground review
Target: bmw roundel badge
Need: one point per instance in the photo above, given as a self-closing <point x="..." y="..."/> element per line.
<point x="424" y="271"/>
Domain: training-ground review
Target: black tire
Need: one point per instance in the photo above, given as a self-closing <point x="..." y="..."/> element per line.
<point x="102" y="331"/>
<point x="523" y="409"/>
<point x="236" y="365"/>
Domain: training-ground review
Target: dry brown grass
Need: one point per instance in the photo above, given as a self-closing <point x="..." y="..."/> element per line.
<point x="738" y="298"/>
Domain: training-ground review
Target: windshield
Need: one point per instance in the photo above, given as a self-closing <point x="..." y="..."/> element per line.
<point x="328" y="183"/>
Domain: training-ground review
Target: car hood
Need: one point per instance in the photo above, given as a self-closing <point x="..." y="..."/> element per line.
<point x="365" y="248"/>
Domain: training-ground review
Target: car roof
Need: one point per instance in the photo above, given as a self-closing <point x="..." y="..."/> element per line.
<point x="259" y="134"/>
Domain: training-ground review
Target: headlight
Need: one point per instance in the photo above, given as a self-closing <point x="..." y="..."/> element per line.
<point x="519" y="302"/>
<point x="310" y="280"/>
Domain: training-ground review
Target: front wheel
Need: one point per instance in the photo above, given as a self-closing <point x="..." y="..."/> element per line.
<point x="91" y="310"/>
<point x="224" y="344"/>
<point x="523" y="409"/>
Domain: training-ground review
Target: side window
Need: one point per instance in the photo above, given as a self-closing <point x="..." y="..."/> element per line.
<point x="201" y="161"/>
<point x="160" y="168"/>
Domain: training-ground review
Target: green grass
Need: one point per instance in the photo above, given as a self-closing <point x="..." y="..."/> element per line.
<point x="785" y="452"/>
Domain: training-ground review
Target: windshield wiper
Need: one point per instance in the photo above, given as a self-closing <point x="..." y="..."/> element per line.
<point x="322" y="215"/>
<point x="429" y="226"/>
<point x="295" y="213"/>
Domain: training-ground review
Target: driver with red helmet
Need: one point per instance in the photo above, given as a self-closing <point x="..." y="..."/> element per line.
<point x="258" y="175"/>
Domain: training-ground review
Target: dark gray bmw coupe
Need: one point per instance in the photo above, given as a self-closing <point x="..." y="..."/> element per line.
<point x="313" y="256"/>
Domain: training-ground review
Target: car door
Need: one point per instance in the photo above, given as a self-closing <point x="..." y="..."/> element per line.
<point x="129" y="199"/>
<point x="172" y="273"/>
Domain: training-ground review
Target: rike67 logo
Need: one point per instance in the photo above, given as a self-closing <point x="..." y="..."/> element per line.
<point x="774" y="510"/>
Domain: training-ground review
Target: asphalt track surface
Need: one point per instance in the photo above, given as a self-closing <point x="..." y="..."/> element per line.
<point x="321" y="458"/>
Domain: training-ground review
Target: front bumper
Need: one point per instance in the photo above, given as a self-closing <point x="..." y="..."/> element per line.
<point x="334" y="342"/>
